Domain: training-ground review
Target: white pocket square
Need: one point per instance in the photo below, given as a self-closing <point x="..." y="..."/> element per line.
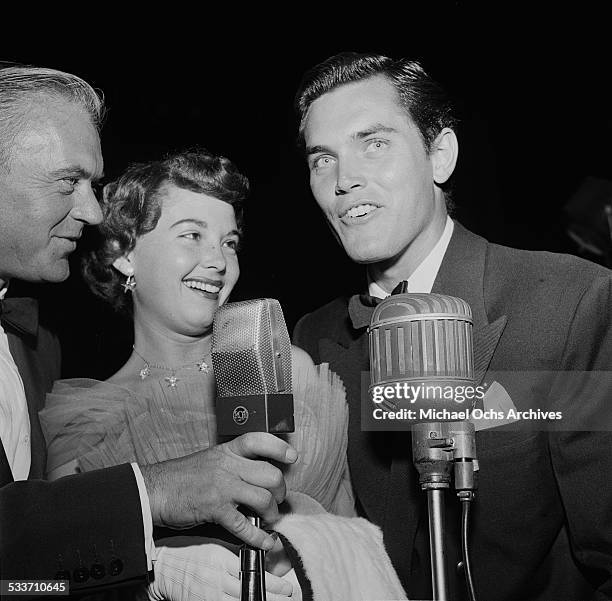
<point x="496" y="405"/>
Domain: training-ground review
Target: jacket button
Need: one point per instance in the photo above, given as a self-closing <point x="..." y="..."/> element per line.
<point x="97" y="571"/>
<point x="115" y="567"/>
<point x="81" y="574"/>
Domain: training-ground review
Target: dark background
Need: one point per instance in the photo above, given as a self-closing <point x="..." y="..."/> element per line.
<point x="533" y="92"/>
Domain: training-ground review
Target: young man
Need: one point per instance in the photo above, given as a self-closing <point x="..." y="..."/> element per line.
<point x="379" y="140"/>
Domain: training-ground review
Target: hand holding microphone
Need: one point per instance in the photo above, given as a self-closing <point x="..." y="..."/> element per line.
<point x="209" y="484"/>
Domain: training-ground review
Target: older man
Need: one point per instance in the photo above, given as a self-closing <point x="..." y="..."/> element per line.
<point x="93" y="529"/>
<point x="380" y="144"/>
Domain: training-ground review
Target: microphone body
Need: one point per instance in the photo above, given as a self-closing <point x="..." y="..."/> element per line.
<point x="421" y="344"/>
<point x="251" y="356"/>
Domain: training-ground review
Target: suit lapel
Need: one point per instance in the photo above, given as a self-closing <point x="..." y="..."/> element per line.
<point x="486" y="339"/>
<point x="461" y="273"/>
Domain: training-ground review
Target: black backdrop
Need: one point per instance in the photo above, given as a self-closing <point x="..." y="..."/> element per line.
<point x="533" y="93"/>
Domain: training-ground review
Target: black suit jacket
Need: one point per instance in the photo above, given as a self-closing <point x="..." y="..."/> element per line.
<point x="541" y="524"/>
<point x="87" y="527"/>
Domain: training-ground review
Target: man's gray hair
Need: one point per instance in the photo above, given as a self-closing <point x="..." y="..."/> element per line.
<point x="21" y="85"/>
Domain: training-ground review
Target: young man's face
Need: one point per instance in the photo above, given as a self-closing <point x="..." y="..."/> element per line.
<point x="371" y="175"/>
<point x="46" y="195"/>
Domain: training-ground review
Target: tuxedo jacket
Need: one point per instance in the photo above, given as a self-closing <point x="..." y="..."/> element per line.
<point x="86" y="528"/>
<point x="541" y="523"/>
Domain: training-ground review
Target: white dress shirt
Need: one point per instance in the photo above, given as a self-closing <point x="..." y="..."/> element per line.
<point x="423" y="277"/>
<point x="14" y="419"/>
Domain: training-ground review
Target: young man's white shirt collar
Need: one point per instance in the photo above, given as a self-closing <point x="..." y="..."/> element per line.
<point x="424" y="276"/>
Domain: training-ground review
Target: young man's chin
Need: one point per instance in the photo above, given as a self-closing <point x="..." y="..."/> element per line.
<point x="366" y="255"/>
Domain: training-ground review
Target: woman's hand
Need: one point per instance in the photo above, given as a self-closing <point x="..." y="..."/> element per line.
<point x="277" y="560"/>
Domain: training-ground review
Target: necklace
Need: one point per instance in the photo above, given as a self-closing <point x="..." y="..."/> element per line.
<point x="171" y="379"/>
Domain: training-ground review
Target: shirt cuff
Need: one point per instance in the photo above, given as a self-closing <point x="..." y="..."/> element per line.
<point x="147" y="520"/>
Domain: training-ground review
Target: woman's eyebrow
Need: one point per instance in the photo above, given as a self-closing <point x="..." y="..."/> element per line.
<point x="197" y="222"/>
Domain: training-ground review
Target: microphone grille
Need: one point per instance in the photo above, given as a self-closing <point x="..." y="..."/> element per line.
<point x="410" y="306"/>
<point x="251" y="335"/>
<point x="415" y="336"/>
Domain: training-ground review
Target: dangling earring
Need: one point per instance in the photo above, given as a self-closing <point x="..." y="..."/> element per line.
<point x="130" y="284"/>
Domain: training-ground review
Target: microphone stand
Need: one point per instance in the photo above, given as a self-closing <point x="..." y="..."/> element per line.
<point x="436" y="448"/>
<point x="252" y="569"/>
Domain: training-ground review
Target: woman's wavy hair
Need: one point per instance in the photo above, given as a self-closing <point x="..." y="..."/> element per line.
<point x="131" y="207"/>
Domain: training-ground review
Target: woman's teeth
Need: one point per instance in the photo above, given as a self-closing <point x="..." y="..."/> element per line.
<point x="204" y="286"/>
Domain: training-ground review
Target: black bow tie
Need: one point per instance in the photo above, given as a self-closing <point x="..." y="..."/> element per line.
<point x="360" y="308"/>
<point x="21" y="314"/>
<point x="369" y="301"/>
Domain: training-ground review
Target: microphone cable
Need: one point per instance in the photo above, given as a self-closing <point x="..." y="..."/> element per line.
<point x="466" y="498"/>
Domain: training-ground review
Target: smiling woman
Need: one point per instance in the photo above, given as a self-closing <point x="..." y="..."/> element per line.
<point x="185" y="267"/>
<point x="168" y="255"/>
<point x="195" y="190"/>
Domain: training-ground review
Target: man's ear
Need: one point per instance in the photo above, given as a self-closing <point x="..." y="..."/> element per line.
<point x="124" y="265"/>
<point x="443" y="154"/>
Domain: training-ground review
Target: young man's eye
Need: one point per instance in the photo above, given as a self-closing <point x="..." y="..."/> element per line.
<point x="376" y="145"/>
<point x="191" y="235"/>
<point x="233" y="244"/>
<point x="321" y="162"/>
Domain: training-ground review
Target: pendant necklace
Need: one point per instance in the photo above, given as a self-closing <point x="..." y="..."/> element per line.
<point x="172" y="378"/>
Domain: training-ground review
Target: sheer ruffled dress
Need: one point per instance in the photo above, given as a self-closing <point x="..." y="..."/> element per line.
<point x="100" y="424"/>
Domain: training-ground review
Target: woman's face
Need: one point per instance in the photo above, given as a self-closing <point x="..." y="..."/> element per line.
<point x="187" y="266"/>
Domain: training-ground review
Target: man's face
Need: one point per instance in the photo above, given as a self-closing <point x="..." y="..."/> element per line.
<point x="46" y="195"/>
<point x="371" y="175"/>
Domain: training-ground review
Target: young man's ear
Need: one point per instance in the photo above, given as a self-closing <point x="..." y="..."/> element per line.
<point x="124" y="265"/>
<point x="444" y="152"/>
